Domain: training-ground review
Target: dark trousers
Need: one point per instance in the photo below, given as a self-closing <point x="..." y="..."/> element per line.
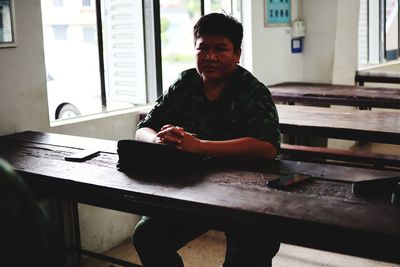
<point x="157" y="240"/>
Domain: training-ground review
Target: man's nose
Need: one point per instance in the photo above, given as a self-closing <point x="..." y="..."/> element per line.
<point x="211" y="55"/>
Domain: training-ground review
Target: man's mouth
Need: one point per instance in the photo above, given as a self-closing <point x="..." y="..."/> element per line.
<point x="210" y="68"/>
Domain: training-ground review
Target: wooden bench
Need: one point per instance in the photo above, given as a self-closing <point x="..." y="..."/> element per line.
<point x="374" y="76"/>
<point x="319" y="94"/>
<point x="340" y="156"/>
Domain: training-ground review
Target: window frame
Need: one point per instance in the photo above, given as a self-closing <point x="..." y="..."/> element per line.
<point x="386" y="52"/>
<point x="382" y="51"/>
<point x="152" y="47"/>
<point x="152" y="39"/>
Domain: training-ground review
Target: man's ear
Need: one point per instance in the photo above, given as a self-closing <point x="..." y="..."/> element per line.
<point x="238" y="53"/>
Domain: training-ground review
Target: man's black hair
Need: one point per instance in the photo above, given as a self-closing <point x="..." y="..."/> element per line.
<point x="220" y="24"/>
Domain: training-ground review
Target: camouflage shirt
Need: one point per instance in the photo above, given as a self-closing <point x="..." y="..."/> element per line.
<point x="244" y="109"/>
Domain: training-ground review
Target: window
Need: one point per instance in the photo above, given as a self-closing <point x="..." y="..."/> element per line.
<point x="89" y="34"/>
<point x="177" y="50"/>
<point x="177" y="20"/>
<point x="115" y="54"/>
<point x="82" y="82"/>
<point x="391" y="29"/>
<point x="60" y="32"/>
<point x="58" y="2"/>
<point x="378" y="32"/>
<point x="86" y="3"/>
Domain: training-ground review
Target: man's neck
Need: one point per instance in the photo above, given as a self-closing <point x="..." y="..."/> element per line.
<point x="213" y="90"/>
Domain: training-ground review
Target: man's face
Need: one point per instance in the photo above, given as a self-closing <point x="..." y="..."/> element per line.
<point x="216" y="58"/>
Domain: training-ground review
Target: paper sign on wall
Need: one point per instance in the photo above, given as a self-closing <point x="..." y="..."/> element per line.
<point x="277" y="12"/>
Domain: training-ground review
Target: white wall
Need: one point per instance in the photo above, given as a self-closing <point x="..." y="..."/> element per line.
<point x="319" y="44"/>
<point x="271" y="60"/>
<point x="22" y="74"/>
<point x="100" y="228"/>
<point x="346" y="51"/>
<point x="330" y="45"/>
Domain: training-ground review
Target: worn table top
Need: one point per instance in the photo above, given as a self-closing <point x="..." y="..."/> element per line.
<point x="324" y="209"/>
<point x="330" y="94"/>
<point x="359" y="125"/>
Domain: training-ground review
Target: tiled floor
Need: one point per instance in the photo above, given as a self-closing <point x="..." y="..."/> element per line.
<point x="209" y="250"/>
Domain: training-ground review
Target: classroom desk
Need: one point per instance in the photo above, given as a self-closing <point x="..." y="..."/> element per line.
<point x="322" y="214"/>
<point x="330" y="94"/>
<point x="359" y="125"/>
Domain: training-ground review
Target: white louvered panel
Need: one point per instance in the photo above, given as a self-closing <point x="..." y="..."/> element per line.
<point x="124" y="48"/>
<point x="363" y="34"/>
<point x="373" y="27"/>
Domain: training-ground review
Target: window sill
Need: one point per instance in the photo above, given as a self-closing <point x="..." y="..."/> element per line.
<point x="102" y="115"/>
<point x="381" y="65"/>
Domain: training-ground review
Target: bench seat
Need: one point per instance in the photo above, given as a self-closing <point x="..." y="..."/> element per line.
<point x="340" y="156"/>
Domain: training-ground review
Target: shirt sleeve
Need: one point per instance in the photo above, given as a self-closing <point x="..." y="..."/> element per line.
<point x="262" y="121"/>
<point x="154" y="118"/>
<point x="164" y="108"/>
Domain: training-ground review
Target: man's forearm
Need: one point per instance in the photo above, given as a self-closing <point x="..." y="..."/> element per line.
<point x="242" y="149"/>
<point x="246" y="148"/>
<point x="145" y="134"/>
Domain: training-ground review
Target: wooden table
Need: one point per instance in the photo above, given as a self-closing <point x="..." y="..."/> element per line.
<point x="376" y="76"/>
<point x="322" y="214"/>
<point x="329" y="94"/>
<point x="359" y="125"/>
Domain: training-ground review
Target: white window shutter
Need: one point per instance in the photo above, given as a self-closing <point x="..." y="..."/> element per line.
<point x="373" y="42"/>
<point x="124" y="51"/>
<point x="363" y="34"/>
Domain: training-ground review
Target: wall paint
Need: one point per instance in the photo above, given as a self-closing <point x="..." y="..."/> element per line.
<point x="102" y="229"/>
<point x="345" y="53"/>
<point x="319" y="45"/>
<point x="22" y="74"/>
<point x="272" y="60"/>
<point x="330" y="44"/>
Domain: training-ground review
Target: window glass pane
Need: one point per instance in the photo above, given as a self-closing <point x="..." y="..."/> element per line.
<point x="6" y="34"/>
<point x="89" y="34"/>
<point x="72" y="64"/>
<point x="219" y="6"/>
<point x="85" y="2"/>
<point x="392" y="31"/>
<point x="378" y="32"/>
<point x="72" y="56"/>
<point x="58" y="2"/>
<point x="230" y="7"/>
<point x="177" y="44"/>
<point x="60" y="32"/>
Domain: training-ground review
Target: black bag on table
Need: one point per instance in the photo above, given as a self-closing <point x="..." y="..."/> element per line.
<point x="142" y="157"/>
